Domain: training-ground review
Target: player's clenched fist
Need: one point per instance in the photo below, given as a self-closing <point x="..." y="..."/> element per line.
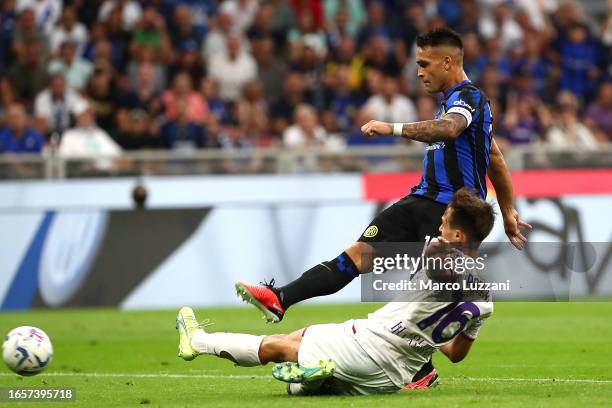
<point x="376" y="127"/>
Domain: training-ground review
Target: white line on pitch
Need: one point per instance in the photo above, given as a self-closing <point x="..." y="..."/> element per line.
<point x="511" y="379"/>
<point x="269" y="377"/>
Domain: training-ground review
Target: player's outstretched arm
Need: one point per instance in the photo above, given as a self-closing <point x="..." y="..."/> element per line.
<point x="427" y="131"/>
<point x="458" y="348"/>
<point x="502" y="182"/>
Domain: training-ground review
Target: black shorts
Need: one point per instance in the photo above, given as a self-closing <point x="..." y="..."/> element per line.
<point x="410" y="219"/>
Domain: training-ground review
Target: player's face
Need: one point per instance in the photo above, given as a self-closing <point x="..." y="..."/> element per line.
<point x="446" y="230"/>
<point x="431" y="69"/>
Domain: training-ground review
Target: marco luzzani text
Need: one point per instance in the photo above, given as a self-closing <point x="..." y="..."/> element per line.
<point x="459" y="264"/>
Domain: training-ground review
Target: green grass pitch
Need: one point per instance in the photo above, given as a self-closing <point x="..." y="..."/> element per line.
<point x="528" y="355"/>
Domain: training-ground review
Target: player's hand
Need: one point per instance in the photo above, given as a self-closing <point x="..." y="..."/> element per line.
<point x="513" y="225"/>
<point x="376" y="127"/>
<point x="437" y="246"/>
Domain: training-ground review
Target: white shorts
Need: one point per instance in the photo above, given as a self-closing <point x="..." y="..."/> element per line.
<point x="356" y="373"/>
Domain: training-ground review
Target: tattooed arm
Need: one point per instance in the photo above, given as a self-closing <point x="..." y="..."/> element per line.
<point x="428" y="131"/>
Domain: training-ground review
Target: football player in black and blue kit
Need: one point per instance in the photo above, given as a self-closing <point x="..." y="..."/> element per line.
<point x="460" y="152"/>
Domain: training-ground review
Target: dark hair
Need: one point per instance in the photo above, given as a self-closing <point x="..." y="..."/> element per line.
<point x="440" y="36"/>
<point x="472" y="215"/>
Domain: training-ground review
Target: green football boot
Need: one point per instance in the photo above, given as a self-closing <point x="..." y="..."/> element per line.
<point x="295" y="373"/>
<point x="187" y="326"/>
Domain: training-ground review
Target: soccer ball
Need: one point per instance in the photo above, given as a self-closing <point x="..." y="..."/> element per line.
<point x="27" y="350"/>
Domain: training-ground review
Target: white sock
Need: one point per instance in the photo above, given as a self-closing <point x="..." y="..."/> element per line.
<point x="243" y="348"/>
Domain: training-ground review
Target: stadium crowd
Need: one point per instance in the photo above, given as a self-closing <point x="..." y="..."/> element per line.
<point x="99" y="77"/>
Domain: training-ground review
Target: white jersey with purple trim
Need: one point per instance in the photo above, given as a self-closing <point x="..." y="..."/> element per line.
<point x="401" y="336"/>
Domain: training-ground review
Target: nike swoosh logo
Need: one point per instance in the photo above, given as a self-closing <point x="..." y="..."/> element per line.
<point x="276" y="306"/>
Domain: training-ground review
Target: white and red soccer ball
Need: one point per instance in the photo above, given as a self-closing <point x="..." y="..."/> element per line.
<point x="27" y="350"/>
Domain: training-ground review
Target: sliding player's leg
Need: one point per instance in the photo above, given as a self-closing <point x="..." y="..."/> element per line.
<point x="246" y="350"/>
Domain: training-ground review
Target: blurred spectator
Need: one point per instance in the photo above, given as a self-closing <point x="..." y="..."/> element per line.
<point x="47" y="12"/>
<point x="263" y="25"/>
<point x="26" y="77"/>
<point x="216" y="106"/>
<point x="26" y="32"/>
<point x="376" y="26"/>
<point x="146" y="58"/>
<point x="252" y="107"/>
<point x="54" y="105"/>
<point x="150" y="31"/>
<point x="345" y="54"/>
<point x="501" y="25"/>
<point x="306" y="131"/>
<point x="8" y="19"/>
<point x="69" y="29"/>
<point x="341" y="100"/>
<point x="200" y="12"/>
<point x="270" y="68"/>
<point x="144" y="93"/>
<point x="536" y="65"/>
<point x="578" y="61"/>
<point x="493" y="86"/>
<point x="130" y="12"/>
<point x="312" y="7"/>
<point x="232" y="69"/>
<point x="242" y="12"/>
<point x="599" y="114"/>
<point x="182" y="133"/>
<point x="181" y="28"/>
<point x="102" y="98"/>
<point x="283" y="17"/>
<point x="17" y="136"/>
<point x="138" y="132"/>
<point x="215" y="41"/>
<point x="294" y="94"/>
<point x="116" y="34"/>
<point x="189" y="60"/>
<point x="378" y="53"/>
<point x="76" y="70"/>
<point x="182" y="94"/>
<point x="425" y="108"/>
<point x="307" y="34"/>
<point x="536" y="11"/>
<point x="87" y="141"/>
<point x="352" y="11"/>
<point x="525" y="121"/>
<point x="568" y="132"/>
<point x="474" y="60"/>
<point x="470" y="17"/>
<point x="356" y="138"/>
<point x="496" y="58"/>
<point x="389" y="105"/>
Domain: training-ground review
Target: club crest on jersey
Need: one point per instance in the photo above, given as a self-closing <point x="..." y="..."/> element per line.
<point x="371" y="231"/>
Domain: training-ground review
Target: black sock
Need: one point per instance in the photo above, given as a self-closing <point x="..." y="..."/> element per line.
<point x="323" y="279"/>
<point x="426" y="369"/>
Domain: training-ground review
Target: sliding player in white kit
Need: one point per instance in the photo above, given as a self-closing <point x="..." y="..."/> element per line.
<point x="382" y="353"/>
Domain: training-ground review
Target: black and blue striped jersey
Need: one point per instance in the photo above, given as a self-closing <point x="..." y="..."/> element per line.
<point x="462" y="162"/>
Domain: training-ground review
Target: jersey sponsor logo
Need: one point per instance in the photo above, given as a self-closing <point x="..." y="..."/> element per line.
<point x="371" y="231"/>
<point x="435" y="146"/>
<point x="461" y="102"/>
